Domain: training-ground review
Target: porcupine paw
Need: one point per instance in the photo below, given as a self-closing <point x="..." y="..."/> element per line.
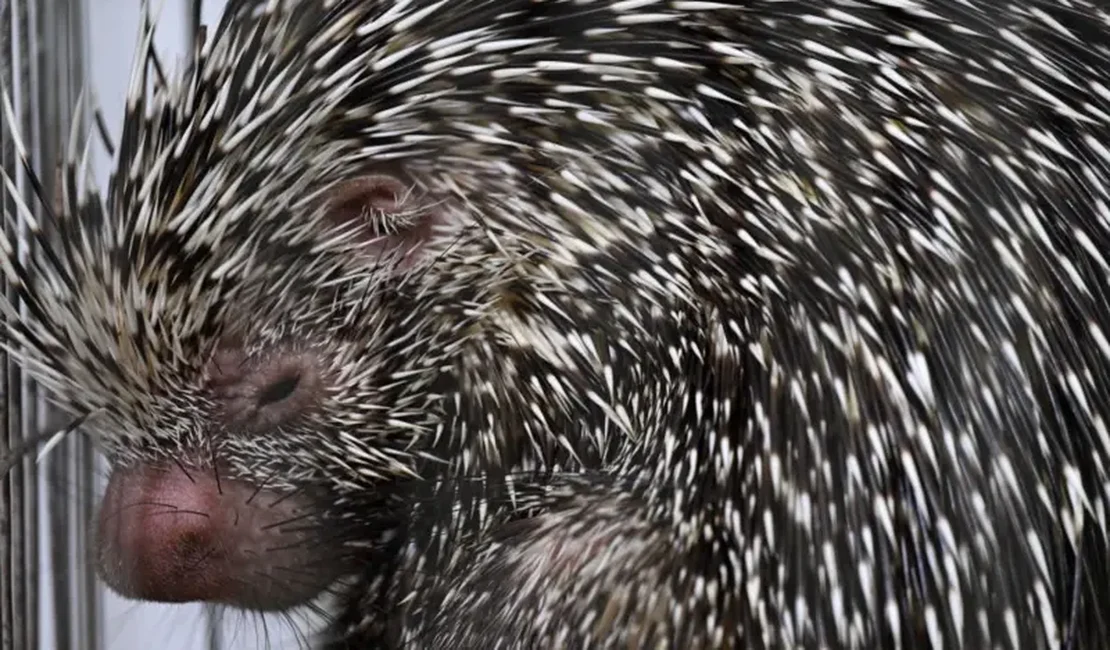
<point x="187" y="531"/>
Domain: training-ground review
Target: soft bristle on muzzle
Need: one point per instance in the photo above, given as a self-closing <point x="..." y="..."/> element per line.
<point x="168" y="535"/>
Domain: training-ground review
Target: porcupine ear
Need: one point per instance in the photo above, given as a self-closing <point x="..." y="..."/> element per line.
<point x="383" y="213"/>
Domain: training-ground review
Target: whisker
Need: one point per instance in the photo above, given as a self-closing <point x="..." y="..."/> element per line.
<point x="288" y="495"/>
<point x="184" y="471"/>
<point x="102" y="127"/>
<point x="290" y="520"/>
<point x="260" y="486"/>
<point x="27" y="444"/>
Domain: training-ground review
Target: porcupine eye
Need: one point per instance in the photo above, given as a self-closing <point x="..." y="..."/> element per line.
<point x="387" y="215"/>
<point x="265" y="391"/>
<point x="279" y="390"/>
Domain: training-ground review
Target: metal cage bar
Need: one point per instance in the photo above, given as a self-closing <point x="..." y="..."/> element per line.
<point x="44" y="506"/>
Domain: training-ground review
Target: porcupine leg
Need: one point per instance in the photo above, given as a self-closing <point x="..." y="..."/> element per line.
<point x="589" y="566"/>
<point x="583" y="563"/>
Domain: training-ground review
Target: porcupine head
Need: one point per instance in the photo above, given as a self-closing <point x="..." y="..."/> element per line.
<point x="218" y="323"/>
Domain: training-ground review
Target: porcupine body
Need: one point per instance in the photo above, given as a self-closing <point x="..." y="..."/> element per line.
<point x="728" y="325"/>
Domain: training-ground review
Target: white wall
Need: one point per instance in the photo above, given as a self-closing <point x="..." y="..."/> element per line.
<point x="113" y="33"/>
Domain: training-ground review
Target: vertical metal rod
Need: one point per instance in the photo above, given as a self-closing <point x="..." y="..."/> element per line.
<point x="29" y="128"/>
<point x="7" y="611"/>
<point x="17" y="421"/>
<point x="54" y="58"/>
<point x="33" y="420"/>
<point x="86" y="454"/>
<point x="213" y="617"/>
<point x="59" y="461"/>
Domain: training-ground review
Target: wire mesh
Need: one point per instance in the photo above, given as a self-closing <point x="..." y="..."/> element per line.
<point x="42" y="55"/>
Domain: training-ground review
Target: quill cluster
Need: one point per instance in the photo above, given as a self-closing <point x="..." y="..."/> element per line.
<point x="643" y="323"/>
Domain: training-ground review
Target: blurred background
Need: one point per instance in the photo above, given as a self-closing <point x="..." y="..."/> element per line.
<point x="49" y="598"/>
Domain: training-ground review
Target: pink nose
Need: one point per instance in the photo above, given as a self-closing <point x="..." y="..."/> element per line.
<point x="168" y="536"/>
<point x="164" y="532"/>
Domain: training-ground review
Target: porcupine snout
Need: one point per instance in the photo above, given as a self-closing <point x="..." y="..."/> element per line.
<point x="179" y="532"/>
<point x="176" y="529"/>
<point x="169" y="536"/>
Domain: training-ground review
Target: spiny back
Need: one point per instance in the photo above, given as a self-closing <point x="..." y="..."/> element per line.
<point x="868" y="243"/>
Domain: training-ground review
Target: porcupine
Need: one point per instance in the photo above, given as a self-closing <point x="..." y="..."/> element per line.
<point x="752" y="325"/>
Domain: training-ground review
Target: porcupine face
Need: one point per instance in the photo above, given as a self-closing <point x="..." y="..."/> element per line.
<point x="305" y="401"/>
<point x="247" y="400"/>
<point x="227" y="495"/>
<point x="302" y="396"/>
<point x="227" y="488"/>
